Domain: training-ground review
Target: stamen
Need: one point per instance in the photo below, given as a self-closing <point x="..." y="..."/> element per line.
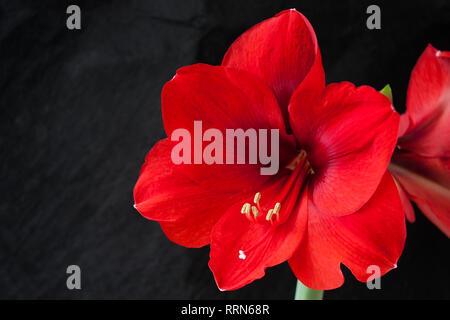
<point x="277" y="208"/>
<point x="269" y="215"/>
<point x="297" y="160"/>
<point x="245" y="208"/>
<point x="257" y="197"/>
<point x="255" y="211"/>
<point x="301" y="169"/>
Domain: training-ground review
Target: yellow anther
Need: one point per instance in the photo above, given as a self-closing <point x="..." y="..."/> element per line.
<point x="257" y="197"/>
<point x="277" y="208"/>
<point x="245" y="208"/>
<point x="255" y="211"/>
<point x="269" y="215"/>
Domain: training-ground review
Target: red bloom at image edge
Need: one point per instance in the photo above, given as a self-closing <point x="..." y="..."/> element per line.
<point x="332" y="201"/>
<point x="421" y="162"/>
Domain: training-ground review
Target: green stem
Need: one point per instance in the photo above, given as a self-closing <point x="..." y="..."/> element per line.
<point x="302" y="292"/>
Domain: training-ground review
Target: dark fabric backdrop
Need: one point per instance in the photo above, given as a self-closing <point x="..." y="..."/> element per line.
<point x="80" y="110"/>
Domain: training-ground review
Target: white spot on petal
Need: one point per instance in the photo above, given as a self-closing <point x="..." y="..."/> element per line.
<point x="438" y="53"/>
<point x="242" y="255"/>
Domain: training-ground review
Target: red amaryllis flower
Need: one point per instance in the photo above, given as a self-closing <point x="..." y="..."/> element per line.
<point x="331" y="202"/>
<point x="421" y="162"/>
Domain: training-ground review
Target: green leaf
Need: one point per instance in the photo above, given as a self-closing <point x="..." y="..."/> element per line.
<point x="387" y="91"/>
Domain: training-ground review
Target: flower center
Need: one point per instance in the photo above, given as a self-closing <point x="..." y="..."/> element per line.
<point x="274" y="204"/>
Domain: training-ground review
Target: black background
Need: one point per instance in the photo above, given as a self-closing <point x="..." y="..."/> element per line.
<point x="80" y="110"/>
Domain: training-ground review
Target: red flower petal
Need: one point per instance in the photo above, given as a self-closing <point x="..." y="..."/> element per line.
<point x="187" y="210"/>
<point x="423" y="186"/>
<point x="283" y="52"/>
<point x="224" y="98"/>
<point x="349" y="134"/>
<point x="242" y="249"/>
<point x="188" y="199"/>
<point x="422" y="161"/>
<point x="375" y="235"/>
<point x="407" y="207"/>
<point x="425" y="127"/>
